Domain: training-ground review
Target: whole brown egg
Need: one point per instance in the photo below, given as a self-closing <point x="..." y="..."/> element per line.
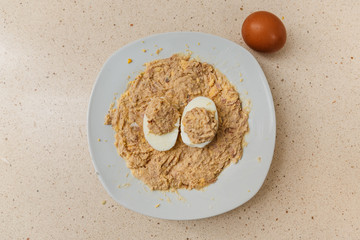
<point x="264" y="32"/>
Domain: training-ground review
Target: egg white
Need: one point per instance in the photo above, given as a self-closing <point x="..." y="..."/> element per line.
<point x="162" y="142"/>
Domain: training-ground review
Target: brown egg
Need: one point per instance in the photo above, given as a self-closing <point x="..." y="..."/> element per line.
<point x="264" y="32"/>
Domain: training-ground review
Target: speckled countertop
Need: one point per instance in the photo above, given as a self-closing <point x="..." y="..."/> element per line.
<point x="50" y="55"/>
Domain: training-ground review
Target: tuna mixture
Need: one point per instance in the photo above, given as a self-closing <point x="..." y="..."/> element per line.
<point x="200" y="125"/>
<point x="174" y="82"/>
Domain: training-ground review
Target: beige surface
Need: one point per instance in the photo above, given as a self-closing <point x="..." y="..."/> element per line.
<point x="50" y="54"/>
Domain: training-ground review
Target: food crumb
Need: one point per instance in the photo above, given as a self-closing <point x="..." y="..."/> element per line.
<point x="131" y="24"/>
<point x="352" y="57"/>
<point x="240" y="74"/>
<point x="144" y="50"/>
<point x="312" y="217"/>
<point x="130" y="60"/>
<point x="198" y="44"/>
<point x="259" y="159"/>
<point x="189" y="52"/>
<point x="103" y="202"/>
<point x="334" y="101"/>
<point x="99" y="140"/>
<point x="151" y="54"/>
<point x="127" y="175"/>
<point x="125" y="185"/>
<point x="128" y="77"/>
<point x="249" y="190"/>
<point x="241" y="79"/>
<point x="105" y="141"/>
<point x="179" y="197"/>
<point x="282" y="18"/>
<point x="142" y="41"/>
<point x="167" y="198"/>
<point x="157" y="205"/>
<point x="158" y="51"/>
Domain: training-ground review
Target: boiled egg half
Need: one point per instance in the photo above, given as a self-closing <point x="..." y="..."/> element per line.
<point x="198" y="102"/>
<point x="162" y="141"/>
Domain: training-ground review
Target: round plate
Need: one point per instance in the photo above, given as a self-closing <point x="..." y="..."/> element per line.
<point x="238" y="182"/>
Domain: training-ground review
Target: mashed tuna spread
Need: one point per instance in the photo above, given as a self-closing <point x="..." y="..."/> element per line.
<point x="178" y="79"/>
<point x="162" y="117"/>
<point x="200" y="125"/>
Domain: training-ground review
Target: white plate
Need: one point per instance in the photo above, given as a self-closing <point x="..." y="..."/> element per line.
<point x="237" y="183"/>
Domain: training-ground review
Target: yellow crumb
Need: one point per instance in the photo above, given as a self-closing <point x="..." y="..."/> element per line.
<point x="99" y="140"/>
<point x="282" y="18"/>
<point x="125" y="185"/>
<point x="240" y="74"/>
<point x="189" y="52"/>
<point x="198" y="44"/>
<point x="158" y="51"/>
<point x="186" y="45"/>
<point x="161" y="199"/>
<point x="128" y="77"/>
<point x="103" y="202"/>
<point x="144" y="50"/>
<point x="151" y="54"/>
<point x="241" y="79"/>
<point x="142" y="41"/>
<point x="127" y="175"/>
<point x="105" y="141"/>
<point x="167" y="198"/>
<point x="259" y="159"/>
<point x="249" y="190"/>
<point x="179" y="197"/>
<point x="129" y="60"/>
<point x="157" y="205"/>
